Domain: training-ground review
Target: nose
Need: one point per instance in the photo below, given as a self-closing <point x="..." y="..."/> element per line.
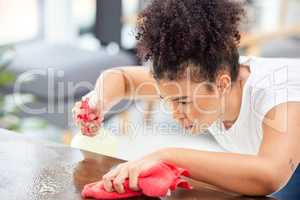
<point x="178" y="114"/>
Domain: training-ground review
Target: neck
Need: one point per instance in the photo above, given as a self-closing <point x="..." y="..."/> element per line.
<point x="233" y="103"/>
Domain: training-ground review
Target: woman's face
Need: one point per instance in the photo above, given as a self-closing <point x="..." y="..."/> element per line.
<point x="194" y="105"/>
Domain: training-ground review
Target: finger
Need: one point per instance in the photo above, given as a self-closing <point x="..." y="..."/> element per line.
<point x="119" y="180"/>
<point x="75" y="119"/>
<point x="133" y="179"/>
<point x="89" y="129"/>
<point x="98" y="120"/>
<point x="94" y="128"/>
<point x="92" y="116"/>
<point x="108" y="178"/>
<point x="86" y="124"/>
<point x="95" y="114"/>
<point x="75" y="110"/>
<point x="107" y="184"/>
<point x="84" y="130"/>
<point x="77" y="104"/>
<point x="75" y="113"/>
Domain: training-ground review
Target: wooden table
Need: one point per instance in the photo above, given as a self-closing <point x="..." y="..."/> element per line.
<point x="37" y="170"/>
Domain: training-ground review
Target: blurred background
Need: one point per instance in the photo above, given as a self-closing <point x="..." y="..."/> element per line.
<point x="52" y="52"/>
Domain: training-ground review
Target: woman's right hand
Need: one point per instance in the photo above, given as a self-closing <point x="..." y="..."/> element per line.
<point x="87" y="114"/>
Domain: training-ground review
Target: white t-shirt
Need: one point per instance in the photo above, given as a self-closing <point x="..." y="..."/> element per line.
<point x="271" y="82"/>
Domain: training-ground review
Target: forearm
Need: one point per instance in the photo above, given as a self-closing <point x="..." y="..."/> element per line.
<point x="248" y="175"/>
<point x="125" y="82"/>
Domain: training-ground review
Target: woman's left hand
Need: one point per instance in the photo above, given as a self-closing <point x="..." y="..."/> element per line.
<point x="114" y="179"/>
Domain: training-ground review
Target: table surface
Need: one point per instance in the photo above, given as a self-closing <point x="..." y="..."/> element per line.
<point x="31" y="169"/>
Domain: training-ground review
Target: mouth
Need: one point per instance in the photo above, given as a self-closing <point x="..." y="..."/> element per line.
<point x="189" y="127"/>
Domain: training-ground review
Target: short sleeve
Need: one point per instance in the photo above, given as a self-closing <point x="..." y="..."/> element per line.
<point x="273" y="89"/>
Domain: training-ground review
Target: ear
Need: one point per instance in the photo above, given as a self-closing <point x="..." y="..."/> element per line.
<point x="223" y="83"/>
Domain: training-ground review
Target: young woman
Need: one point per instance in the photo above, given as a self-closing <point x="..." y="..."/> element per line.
<point x="250" y="105"/>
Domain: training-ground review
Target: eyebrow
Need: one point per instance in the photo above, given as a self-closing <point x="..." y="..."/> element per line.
<point x="175" y="98"/>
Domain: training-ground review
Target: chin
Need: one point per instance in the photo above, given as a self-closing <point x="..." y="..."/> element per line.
<point x="195" y="131"/>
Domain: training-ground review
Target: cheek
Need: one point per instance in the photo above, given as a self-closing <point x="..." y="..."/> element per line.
<point x="193" y="113"/>
<point x="207" y="106"/>
<point x="176" y="111"/>
<point x="204" y="110"/>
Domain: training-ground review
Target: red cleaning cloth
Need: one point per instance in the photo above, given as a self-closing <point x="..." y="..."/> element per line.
<point x="89" y="117"/>
<point x="154" y="182"/>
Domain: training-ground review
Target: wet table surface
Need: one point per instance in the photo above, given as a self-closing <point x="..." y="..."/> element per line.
<point x="38" y="170"/>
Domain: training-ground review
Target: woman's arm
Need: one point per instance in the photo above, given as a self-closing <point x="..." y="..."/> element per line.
<point x="243" y="174"/>
<point x="112" y="86"/>
<point x="251" y="175"/>
<point x="257" y="175"/>
<point x="125" y="82"/>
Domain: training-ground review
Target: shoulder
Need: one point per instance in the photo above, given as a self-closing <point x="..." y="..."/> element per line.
<point x="273" y="81"/>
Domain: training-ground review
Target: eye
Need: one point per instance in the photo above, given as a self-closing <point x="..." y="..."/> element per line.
<point x="183" y="102"/>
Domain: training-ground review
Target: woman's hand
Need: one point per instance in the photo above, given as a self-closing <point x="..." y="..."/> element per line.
<point x="114" y="179"/>
<point x="94" y="116"/>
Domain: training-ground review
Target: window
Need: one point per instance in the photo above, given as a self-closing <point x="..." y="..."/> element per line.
<point x="130" y="9"/>
<point x="18" y="20"/>
<point x="84" y="13"/>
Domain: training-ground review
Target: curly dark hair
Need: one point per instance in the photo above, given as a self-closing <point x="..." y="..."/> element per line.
<point x="173" y="34"/>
